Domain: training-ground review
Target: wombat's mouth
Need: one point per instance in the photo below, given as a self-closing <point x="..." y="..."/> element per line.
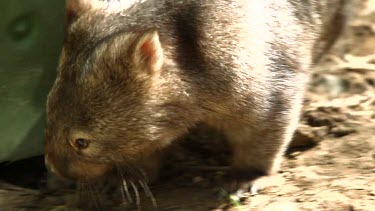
<point x="78" y="170"/>
<point x="127" y="184"/>
<point x="129" y="180"/>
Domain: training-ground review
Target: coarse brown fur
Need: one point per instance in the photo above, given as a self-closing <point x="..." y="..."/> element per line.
<point x="133" y="80"/>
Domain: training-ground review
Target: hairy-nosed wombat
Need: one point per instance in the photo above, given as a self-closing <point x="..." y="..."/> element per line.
<point x="135" y="76"/>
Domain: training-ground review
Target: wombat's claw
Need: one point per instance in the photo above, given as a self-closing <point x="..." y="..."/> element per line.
<point x="254" y="190"/>
<point x="265" y="182"/>
<point x="247" y="188"/>
<point x="254" y="185"/>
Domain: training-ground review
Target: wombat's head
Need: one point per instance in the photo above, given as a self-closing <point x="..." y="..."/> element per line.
<point x="109" y="105"/>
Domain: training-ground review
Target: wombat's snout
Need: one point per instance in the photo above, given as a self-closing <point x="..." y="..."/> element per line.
<point x="76" y="169"/>
<point x="49" y="165"/>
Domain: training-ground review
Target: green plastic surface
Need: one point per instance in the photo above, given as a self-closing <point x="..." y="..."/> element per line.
<point x="31" y="33"/>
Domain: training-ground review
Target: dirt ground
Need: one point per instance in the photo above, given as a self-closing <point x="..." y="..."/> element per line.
<point x="329" y="166"/>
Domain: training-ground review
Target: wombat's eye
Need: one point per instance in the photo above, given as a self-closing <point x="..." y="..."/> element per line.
<point x="82" y="143"/>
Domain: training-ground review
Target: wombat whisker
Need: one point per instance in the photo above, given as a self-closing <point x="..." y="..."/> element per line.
<point x="137" y="174"/>
<point x="81" y="191"/>
<point x="124" y="199"/>
<point x="84" y="191"/>
<point x="144" y="188"/>
<point x="126" y="189"/>
<point x="124" y="195"/>
<point x="94" y="192"/>
<point x="144" y="175"/>
<point x="148" y="193"/>
<point x="137" y="198"/>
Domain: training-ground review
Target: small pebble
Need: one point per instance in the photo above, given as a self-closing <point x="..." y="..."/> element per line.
<point x="342" y="130"/>
<point x="299" y="200"/>
<point x="198" y="179"/>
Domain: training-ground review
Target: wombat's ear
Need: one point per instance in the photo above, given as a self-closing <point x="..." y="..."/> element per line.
<point x="148" y="51"/>
<point x="74" y="9"/>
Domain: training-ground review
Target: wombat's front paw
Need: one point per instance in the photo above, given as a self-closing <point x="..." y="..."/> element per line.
<point x="252" y="183"/>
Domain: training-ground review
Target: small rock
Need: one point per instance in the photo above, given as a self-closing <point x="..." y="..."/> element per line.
<point x="330" y="84"/>
<point x="342" y="130"/>
<point x="320" y="131"/>
<point x="299" y="200"/>
<point x="198" y="179"/>
<point x="358" y="88"/>
<point x="305" y="137"/>
<point x="295" y="154"/>
<point x="318" y="119"/>
<point x="328" y="109"/>
<point x="371" y="81"/>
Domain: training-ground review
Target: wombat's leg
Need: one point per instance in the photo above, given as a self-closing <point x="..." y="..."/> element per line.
<point x="258" y="149"/>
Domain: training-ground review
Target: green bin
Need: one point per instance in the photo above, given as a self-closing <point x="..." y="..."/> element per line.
<point x="31" y="33"/>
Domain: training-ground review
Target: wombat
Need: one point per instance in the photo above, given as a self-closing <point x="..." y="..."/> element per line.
<point x="135" y="75"/>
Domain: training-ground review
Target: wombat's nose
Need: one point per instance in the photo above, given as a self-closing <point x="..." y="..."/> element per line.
<point x="48" y="164"/>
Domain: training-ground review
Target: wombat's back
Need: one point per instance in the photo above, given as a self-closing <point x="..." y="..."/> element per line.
<point x="223" y="30"/>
